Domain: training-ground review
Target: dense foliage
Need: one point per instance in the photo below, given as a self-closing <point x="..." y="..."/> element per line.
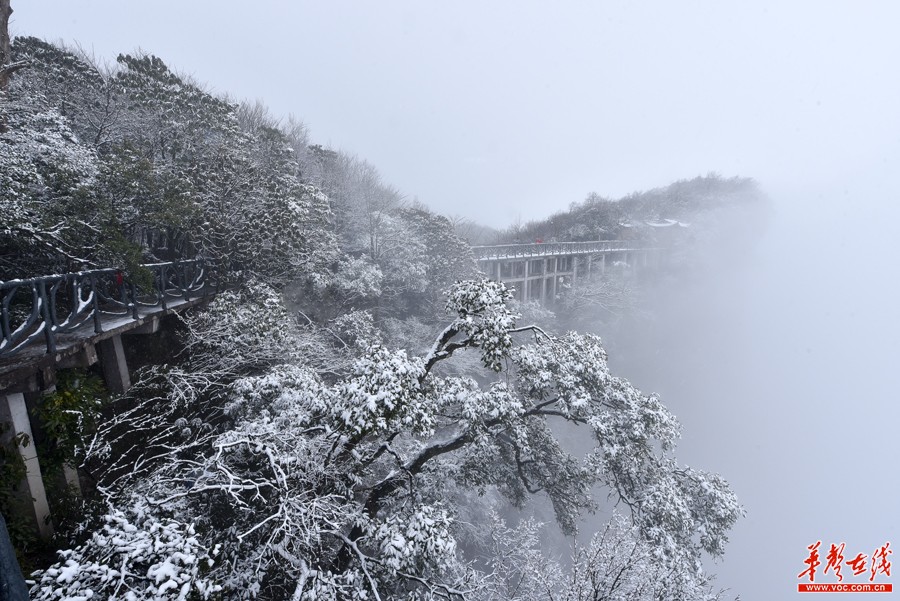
<point x="116" y="165"/>
<point x="346" y="486"/>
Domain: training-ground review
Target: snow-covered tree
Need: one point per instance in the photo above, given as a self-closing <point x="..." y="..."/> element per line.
<point x="618" y="564"/>
<point x="175" y="171"/>
<point x="73" y="84"/>
<point x="336" y="487"/>
<point x="48" y="214"/>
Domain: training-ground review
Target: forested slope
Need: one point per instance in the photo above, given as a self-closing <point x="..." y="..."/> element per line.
<point x="642" y="214"/>
<point x="133" y="163"/>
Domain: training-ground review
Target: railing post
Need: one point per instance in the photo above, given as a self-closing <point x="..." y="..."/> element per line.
<point x="74" y="296"/>
<point x="162" y="286"/>
<point x="95" y="303"/>
<point x="49" y="333"/>
<point x="179" y="269"/>
<point x="51" y="303"/>
<point x="201" y="265"/>
<point x="133" y="300"/>
<point x="4" y="317"/>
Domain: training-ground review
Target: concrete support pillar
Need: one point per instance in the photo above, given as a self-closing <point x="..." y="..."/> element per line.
<point x="14" y="412"/>
<point x="86" y="357"/>
<point x="603" y="263"/>
<point x="525" y="297"/>
<point x="115" y="368"/>
<point x="151" y="326"/>
<point x="72" y="480"/>
<point x="590" y="264"/>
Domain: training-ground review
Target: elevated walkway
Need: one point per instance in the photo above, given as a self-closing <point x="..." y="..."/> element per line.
<point x="538" y="271"/>
<point x="76" y="320"/>
<point x="46" y="321"/>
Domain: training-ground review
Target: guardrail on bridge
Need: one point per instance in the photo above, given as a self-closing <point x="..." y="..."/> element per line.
<point x="545" y="249"/>
<point x="53" y="305"/>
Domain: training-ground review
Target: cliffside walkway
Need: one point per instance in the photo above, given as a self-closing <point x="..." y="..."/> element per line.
<point x="49" y="319"/>
<point x="76" y="320"/>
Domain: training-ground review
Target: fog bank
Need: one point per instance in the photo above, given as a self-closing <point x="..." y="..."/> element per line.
<point x="782" y="366"/>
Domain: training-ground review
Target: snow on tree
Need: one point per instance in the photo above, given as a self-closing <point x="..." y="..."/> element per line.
<point x="67" y="80"/>
<point x="177" y="172"/>
<point x="617" y="564"/>
<point x="45" y="177"/>
<point x="136" y="555"/>
<point x="336" y="487"/>
<point x="356" y="279"/>
<point x="255" y="216"/>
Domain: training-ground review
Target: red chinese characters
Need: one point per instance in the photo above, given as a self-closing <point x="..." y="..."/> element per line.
<point x="858" y="564"/>
<point x="835" y="559"/>
<point x="879" y="562"/>
<point x="812" y="561"/>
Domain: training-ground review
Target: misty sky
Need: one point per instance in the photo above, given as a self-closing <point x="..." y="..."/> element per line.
<point x="784" y="371"/>
<point x="781" y="365"/>
<point x="507" y="110"/>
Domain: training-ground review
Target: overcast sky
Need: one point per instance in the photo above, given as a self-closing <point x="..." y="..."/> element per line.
<point x="784" y="371"/>
<point x="505" y="110"/>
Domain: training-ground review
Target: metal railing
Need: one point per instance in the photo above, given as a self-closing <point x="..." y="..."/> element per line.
<point x="54" y="305"/>
<point x="548" y="249"/>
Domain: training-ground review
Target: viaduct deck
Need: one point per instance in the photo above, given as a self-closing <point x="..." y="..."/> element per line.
<point x="540" y="270"/>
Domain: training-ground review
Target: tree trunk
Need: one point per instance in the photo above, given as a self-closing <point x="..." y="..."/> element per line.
<point x="5" y="58"/>
<point x="5" y="51"/>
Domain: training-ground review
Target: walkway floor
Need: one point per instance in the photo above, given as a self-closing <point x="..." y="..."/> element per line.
<point x="34" y="357"/>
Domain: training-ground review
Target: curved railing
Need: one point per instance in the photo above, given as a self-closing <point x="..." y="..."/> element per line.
<point x="545" y="249"/>
<point x="51" y="306"/>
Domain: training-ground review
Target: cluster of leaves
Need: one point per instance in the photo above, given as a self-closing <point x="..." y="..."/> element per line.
<point x="618" y="563"/>
<point x="12" y="474"/>
<point x="401" y="255"/>
<point x="334" y="486"/>
<point x="140" y="556"/>
<point x="68" y="416"/>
